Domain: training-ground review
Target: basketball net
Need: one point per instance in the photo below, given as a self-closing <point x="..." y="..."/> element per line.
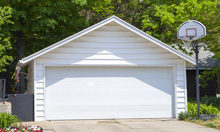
<point x="187" y="43"/>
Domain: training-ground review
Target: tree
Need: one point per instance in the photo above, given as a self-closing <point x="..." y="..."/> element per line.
<point x="128" y="10"/>
<point x="39" y="23"/>
<point x="165" y="18"/>
<point x="5" y="45"/>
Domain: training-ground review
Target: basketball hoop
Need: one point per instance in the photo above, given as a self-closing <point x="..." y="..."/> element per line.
<point x="188" y="32"/>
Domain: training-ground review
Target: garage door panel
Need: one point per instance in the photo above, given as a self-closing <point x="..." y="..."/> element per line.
<point x="97" y="112"/>
<point x="68" y="72"/>
<point x="145" y="85"/>
<point x="113" y="92"/>
<point x="92" y="82"/>
<point x="108" y="99"/>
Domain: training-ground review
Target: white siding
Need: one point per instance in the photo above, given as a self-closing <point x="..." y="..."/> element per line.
<point x="110" y="45"/>
<point x="30" y="85"/>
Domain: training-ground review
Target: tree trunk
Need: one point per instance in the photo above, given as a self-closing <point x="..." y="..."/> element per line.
<point x="20" y="55"/>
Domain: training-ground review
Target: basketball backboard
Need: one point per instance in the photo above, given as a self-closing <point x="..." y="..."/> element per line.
<point x="191" y="30"/>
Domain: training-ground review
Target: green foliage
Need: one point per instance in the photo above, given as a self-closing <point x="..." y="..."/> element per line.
<point x="128" y="10"/>
<point x="44" y="22"/>
<point x="165" y="18"/>
<point x="7" y="120"/>
<point x="5" y="44"/>
<point x="208" y="109"/>
<point x="207" y="101"/>
<point x="192" y="108"/>
<point x="161" y="18"/>
<point x="184" y="115"/>
<point x="210" y="125"/>
<point x="214" y="72"/>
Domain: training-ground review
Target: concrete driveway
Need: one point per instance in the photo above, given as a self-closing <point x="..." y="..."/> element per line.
<point x="128" y="125"/>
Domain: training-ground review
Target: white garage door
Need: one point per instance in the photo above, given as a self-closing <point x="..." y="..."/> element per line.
<point x="106" y="93"/>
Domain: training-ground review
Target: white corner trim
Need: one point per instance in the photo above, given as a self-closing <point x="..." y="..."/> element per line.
<point x="35" y="94"/>
<point x="121" y="22"/>
<point x="185" y="78"/>
<point x="175" y="90"/>
<point x="45" y="110"/>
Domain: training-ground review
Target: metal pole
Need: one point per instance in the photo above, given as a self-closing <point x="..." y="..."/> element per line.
<point x="197" y="77"/>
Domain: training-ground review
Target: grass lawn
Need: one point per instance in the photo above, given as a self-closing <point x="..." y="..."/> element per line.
<point x="215" y="123"/>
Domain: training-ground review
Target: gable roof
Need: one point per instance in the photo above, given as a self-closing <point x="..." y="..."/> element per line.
<point x="121" y="22"/>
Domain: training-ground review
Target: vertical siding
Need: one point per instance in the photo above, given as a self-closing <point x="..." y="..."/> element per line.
<point x="110" y="45"/>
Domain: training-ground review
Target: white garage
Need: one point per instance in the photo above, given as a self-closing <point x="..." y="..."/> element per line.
<point x="108" y="71"/>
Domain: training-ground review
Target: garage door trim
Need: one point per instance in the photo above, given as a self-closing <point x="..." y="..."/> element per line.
<point x="106" y="66"/>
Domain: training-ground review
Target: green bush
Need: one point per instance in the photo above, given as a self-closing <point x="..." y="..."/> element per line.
<point x="210" y="125"/>
<point x="204" y="109"/>
<point x="207" y="101"/>
<point x="184" y="115"/>
<point x="192" y="108"/>
<point x="7" y="120"/>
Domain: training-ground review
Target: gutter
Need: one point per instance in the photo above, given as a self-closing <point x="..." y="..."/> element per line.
<point x="200" y="68"/>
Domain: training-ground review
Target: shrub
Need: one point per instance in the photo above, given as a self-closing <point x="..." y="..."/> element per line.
<point x="192" y="108"/>
<point x="207" y="101"/>
<point x="211" y="100"/>
<point x="7" y="120"/>
<point x="210" y="125"/>
<point x="184" y="115"/>
<point x="208" y="109"/>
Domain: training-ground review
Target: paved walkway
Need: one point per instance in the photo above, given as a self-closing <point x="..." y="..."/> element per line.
<point x="133" y="125"/>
